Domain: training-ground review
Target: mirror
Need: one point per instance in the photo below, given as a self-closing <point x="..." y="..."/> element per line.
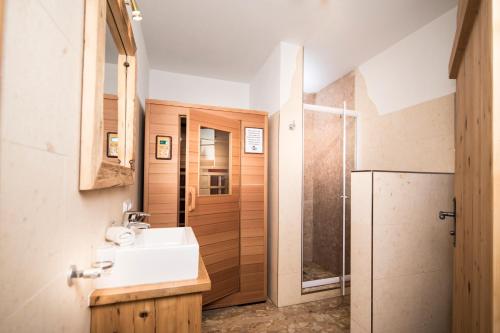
<point x="108" y="97"/>
<point x="110" y="100"/>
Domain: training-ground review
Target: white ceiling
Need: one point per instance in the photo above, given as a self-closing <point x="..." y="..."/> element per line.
<point x="231" y="39"/>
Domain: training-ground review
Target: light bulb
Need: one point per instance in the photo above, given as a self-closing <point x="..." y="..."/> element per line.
<point x="137" y="16"/>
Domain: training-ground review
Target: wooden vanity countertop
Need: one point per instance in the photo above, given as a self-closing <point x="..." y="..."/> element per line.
<point x="150" y="291"/>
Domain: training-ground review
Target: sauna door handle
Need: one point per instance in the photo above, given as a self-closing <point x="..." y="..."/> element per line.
<point x="191" y="198"/>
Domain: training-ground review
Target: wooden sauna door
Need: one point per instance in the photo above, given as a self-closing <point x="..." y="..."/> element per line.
<point x="213" y="197"/>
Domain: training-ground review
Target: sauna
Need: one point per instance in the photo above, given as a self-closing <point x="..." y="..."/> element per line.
<point x="206" y="167"/>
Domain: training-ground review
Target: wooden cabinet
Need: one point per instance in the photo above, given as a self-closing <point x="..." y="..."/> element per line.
<point x="168" y="314"/>
<point x="124" y="317"/>
<point x="165" y="307"/>
<point x="225" y="203"/>
<point x="179" y="313"/>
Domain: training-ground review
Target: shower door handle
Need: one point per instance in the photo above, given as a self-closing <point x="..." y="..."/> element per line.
<point x="345" y="197"/>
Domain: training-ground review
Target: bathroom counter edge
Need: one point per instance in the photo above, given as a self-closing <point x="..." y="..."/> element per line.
<point x="151" y="291"/>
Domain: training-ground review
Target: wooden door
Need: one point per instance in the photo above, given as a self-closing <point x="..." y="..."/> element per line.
<point x="213" y="197"/>
<point x="471" y="65"/>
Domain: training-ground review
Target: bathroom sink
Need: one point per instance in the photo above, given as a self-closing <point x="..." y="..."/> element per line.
<point x="158" y="255"/>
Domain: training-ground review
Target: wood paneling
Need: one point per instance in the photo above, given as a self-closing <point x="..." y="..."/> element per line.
<point x="473" y="257"/>
<point x="110" y="117"/>
<point x="123" y="25"/>
<point x="496" y="164"/>
<point x="251" y="173"/>
<point x="466" y="17"/>
<point x="161" y="177"/>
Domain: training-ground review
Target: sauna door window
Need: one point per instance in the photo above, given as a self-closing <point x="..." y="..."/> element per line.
<point x="214" y="161"/>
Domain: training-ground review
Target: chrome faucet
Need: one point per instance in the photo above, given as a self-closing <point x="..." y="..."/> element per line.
<point x="134" y="219"/>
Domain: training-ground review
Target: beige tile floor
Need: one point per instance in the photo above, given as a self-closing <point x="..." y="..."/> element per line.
<point x="331" y="315"/>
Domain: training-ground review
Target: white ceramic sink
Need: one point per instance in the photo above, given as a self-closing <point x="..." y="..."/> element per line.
<point x="158" y="255"/>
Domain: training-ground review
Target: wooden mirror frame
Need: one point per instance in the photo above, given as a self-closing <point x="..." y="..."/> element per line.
<point x="95" y="172"/>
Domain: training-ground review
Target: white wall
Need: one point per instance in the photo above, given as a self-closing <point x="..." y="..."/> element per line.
<point x="143" y="68"/>
<point x="197" y="90"/>
<point x="110" y="78"/>
<point x="413" y="70"/>
<point x="46" y="223"/>
<point x="265" y="86"/>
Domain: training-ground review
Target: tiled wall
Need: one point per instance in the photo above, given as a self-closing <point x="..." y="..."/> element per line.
<point x="338" y="92"/>
<point x="401" y="252"/>
<point x="46" y="224"/>
<point x="418" y="138"/>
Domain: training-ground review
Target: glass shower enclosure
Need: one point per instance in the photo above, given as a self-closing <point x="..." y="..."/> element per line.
<point x="329" y="156"/>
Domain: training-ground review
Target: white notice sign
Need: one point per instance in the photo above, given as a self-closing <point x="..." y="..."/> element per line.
<point x="254" y="140"/>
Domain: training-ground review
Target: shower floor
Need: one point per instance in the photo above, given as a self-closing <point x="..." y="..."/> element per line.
<point x="313" y="271"/>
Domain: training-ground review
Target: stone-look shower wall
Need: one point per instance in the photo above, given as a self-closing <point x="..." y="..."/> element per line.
<point x="402" y="291"/>
<point x="405" y="101"/>
<point x="309" y="180"/>
<point x="338" y="92"/>
<point x="309" y="98"/>
<point x="417" y="138"/>
<point x="322" y="214"/>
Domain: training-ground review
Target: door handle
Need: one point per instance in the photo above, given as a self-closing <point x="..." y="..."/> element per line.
<point x="191" y="198"/>
<point x="443" y="215"/>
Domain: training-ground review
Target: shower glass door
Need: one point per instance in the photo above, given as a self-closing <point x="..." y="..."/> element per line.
<point x="329" y="156"/>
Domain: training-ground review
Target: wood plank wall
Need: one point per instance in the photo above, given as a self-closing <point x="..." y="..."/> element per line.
<point x="110" y="118"/>
<point x="161" y="177"/>
<point x="473" y="269"/>
<point x="161" y="182"/>
<point x="496" y="164"/>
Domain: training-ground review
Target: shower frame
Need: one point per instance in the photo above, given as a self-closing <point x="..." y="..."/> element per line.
<point x="345" y="113"/>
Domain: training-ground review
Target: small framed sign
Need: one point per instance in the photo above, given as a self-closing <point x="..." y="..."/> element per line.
<point x="254" y="140"/>
<point x="112" y="145"/>
<point x="163" y="147"/>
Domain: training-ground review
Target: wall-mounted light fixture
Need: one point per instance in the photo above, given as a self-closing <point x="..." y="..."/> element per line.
<point x="136" y="12"/>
